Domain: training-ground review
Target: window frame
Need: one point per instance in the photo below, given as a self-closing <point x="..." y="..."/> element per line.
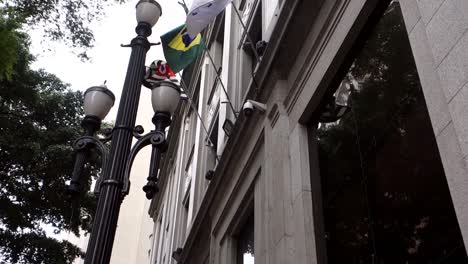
<point x="360" y="33"/>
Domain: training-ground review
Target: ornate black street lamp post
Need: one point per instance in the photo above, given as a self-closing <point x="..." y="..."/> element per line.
<point x="113" y="185"/>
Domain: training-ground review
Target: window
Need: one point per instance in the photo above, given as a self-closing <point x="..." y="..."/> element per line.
<point x="251" y="12"/>
<point x="220" y="39"/>
<point x="213" y="105"/>
<point x="385" y="196"/>
<point x="216" y="60"/>
<point x="245" y="243"/>
<point x="211" y="142"/>
<point x="213" y="138"/>
<point x="253" y="35"/>
<point x="188" y="171"/>
<point x="196" y="94"/>
<point x="185" y="214"/>
<point x="191" y="127"/>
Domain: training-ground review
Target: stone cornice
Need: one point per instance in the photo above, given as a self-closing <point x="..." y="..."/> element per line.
<point x="315" y="51"/>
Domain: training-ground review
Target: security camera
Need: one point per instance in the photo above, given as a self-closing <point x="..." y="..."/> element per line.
<point x="250" y="105"/>
<point x="248" y="108"/>
<point x="184" y="97"/>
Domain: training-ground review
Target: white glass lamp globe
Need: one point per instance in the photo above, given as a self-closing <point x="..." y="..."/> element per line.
<point x="165" y="96"/>
<point x="98" y="100"/>
<point x="148" y="11"/>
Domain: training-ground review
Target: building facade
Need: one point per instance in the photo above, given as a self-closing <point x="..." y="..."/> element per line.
<point x="358" y="157"/>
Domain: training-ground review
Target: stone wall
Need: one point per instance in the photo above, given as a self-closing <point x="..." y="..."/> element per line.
<point x="439" y="39"/>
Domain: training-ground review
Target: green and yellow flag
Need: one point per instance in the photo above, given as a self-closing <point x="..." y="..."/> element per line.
<point x="179" y="49"/>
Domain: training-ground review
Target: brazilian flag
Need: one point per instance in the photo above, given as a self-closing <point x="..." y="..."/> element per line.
<point x="179" y="49"/>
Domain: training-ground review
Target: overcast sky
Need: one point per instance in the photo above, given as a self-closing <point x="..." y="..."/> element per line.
<point x="108" y="60"/>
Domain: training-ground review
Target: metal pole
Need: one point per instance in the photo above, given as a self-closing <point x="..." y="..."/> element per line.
<point x="192" y="105"/>
<point x="105" y="222"/>
<point x="220" y="81"/>
<point x="257" y="57"/>
<point x="184" y="5"/>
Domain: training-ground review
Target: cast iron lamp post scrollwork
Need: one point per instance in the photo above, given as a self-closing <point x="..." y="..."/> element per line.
<point x="113" y="184"/>
<point x="98" y="101"/>
<point x="165" y="96"/>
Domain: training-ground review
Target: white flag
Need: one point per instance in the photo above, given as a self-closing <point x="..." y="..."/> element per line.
<point x="202" y="13"/>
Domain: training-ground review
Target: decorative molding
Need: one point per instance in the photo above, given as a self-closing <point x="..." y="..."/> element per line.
<point x="274" y="115"/>
<point x="246" y="169"/>
<point x="225" y="161"/>
<point x="315" y="52"/>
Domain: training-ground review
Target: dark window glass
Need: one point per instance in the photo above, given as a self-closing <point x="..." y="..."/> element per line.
<point x="384" y="192"/>
<point x="250" y="38"/>
<point x="214" y="135"/>
<point x="245" y="243"/>
<point x="220" y="35"/>
<point x="255" y="33"/>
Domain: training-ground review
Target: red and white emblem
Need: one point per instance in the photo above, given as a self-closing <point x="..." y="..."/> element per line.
<point x="158" y="70"/>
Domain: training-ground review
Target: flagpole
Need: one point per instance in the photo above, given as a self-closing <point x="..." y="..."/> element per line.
<point x="220" y="81"/>
<point x="254" y="49"/>
<point x="184" y="86"/>
<point x="183" y="4"/>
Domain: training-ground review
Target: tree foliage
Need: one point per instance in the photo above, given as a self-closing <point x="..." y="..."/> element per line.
<point x="61" y="20"/>
<point x="39" y="118"/>
<point x="9" y="45"/>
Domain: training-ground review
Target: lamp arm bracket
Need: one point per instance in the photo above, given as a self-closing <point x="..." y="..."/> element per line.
<point x="126" y="45"/>
<point x="85" y="142"/>
<point x="142" y="142"/>
<point x="155" y="138"/>
<point x="108" y="132"/>
<point x="138" y="131"/>
<point x="107" y="135"/>
<point x="131" y="45"/>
